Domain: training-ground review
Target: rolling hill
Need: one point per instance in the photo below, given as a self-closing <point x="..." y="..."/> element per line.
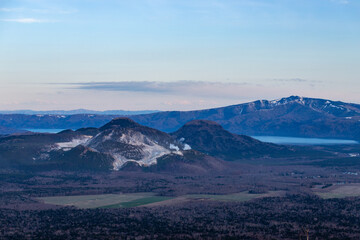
<point x="211" y="138"/>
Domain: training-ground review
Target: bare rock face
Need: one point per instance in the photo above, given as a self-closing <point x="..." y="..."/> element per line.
<point x="125" y="140"/>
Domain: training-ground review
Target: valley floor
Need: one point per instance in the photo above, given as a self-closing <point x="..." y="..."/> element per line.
<point x="263" y="200"/>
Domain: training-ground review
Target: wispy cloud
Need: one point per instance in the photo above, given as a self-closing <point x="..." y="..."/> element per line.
<point x="197" y="88"/>
<point x="27" y="20"/>
<point x="39" y="10"/>
<point x="54" y="11"/>
<point x="186" y="94"/>
<point x="11" y="9"/>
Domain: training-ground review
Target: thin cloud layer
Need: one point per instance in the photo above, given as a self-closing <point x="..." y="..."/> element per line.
<point x="198" y="88"/>
<point x="27" y="20"/>
<point x="34" y="15"/>
<point x="11" y="9"/>
<point x="39" y="10"/>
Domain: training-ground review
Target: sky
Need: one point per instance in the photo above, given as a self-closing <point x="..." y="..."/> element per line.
<point x="175" y="54"/>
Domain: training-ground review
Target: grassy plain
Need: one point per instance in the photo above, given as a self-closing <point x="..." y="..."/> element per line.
<point x="96" y="201"/>
<point x="340" y="191"/>
<point x="236" y="197"/>
<point x="139" y="202"/>
<point x="140" y="199"/>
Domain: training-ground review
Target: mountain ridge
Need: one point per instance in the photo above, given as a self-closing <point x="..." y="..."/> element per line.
<point x="76" y="111"/>
<point x="292" y="116"/>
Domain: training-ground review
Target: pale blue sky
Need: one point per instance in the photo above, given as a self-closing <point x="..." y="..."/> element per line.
<point x="188" y="54"/>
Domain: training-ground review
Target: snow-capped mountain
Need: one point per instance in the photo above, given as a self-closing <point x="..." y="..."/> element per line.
<point x="333" y="108"/>
<point x="292" y="116"/>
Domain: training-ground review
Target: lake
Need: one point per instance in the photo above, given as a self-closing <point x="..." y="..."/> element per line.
<point x="44" y="130"/>
<point x="270" y="139"/>
<point x="303" y="141"/>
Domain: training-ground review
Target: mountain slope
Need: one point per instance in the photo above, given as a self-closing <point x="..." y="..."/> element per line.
<point x="293" y="116"/>
<point x="121" y="142"/>
<point x="126" y="140"/>
<point x="82" y="158"/>
<point x="209" y="137"/>
<point x="7" y="130"/>
<point x="34" y="148"/>
<point x="191" y="161"/>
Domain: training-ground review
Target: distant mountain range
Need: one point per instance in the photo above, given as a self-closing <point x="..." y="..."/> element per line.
<point x="8" y="130"/>
<point x="79" y="111"/>
<point x="292" y="116"/>
<point x="40" y="121"/>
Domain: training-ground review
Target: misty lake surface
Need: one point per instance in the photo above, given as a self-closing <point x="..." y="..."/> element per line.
<point x="303" y="141"/>
<point x="44" y="130"/>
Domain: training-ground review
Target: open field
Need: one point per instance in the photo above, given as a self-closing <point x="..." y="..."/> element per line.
<point x="102" y="200"/>
<point x="341" y="191"/>
<point x="139" y="202"/>
<point x="236" y="197"/>
<point x="140" y="199"/>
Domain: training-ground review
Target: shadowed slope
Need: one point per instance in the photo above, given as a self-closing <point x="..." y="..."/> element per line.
<point x="211" y="138"/>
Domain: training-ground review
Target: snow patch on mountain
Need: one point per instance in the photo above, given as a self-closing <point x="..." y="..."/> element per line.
<point x="333" y="106"/>
<point x="130" y="145"/>
<point x="66" y="146"/>
<point x="150" y="156"/>
<point x="108" y="137"/>
<point x="284" y="101"/>
<point x="187" y="147"/>
<point x="173" y="147"/>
